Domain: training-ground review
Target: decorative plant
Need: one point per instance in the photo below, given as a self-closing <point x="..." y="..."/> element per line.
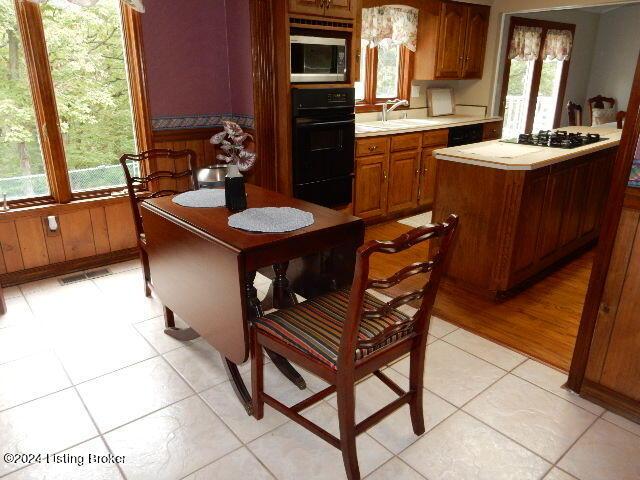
<point x="232" y="142"/>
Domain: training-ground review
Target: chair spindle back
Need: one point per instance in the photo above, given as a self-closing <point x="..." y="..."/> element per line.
<point x="419" y="323"/>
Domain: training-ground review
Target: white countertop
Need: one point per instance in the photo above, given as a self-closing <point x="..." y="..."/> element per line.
<point x="509" y="156"/>
<point x="408" y="125"/>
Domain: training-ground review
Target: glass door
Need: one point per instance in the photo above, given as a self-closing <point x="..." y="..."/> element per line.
<point x="535" y="78"/>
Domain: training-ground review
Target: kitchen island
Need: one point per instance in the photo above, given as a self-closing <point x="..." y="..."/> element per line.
<point x="523" y="209"/>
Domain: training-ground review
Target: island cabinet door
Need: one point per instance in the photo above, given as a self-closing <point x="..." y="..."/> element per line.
<point x="404" y="175"/>
<point x="370" y="199"/>
<point x="451" y="37"/>
<point x="526" y="239"/>
<point x="599" y="183"/>
<point x="578" y="193"/>
<point x="556" y="199"/>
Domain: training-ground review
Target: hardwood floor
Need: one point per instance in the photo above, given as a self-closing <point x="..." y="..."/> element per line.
<point x="541" y="322"/>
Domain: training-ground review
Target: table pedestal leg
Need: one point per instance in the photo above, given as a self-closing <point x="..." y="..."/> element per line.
<point x="280" y="290"/>
<point x="283" y="297"/>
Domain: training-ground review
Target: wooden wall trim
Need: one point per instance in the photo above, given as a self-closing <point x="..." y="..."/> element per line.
<point x="136" y="69"/>
<point x="611" y="220"/>
<point x="65" y="268"/>
<point x="264" y="90"/>
<point x="44" y="99"/>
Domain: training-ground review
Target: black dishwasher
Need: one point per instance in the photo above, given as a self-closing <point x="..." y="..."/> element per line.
<point x="465" y="135"/>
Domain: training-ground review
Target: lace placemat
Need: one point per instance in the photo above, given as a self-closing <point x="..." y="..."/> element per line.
<point x="205" y="198"/>
<point x="271" y="219"/>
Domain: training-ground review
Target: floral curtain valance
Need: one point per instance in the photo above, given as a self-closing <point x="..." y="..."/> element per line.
<point x="557" y="45"/>
<point x="135" y="4"/>
<point x="390" y="25"/>
<point x="525" y="44"/>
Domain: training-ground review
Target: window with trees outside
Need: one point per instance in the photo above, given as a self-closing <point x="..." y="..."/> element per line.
<point x="82" y="81"/>
<point x="384" y="75"/>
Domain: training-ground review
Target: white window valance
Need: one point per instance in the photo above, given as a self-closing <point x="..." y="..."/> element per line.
<point x="557" y="45"/>
<point x="525" y="44"/>
<point x="135" y="4"/>
<point x="390" y="25"/>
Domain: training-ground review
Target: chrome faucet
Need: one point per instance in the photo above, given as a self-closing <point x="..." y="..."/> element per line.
<point x="394" y="104"/>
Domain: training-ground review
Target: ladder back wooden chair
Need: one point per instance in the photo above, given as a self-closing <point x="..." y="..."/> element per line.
<point x="346" y="335"/>
<point x="153" y="174"/>
<point x="574" y="113"/>
<point x="601" y="110"/>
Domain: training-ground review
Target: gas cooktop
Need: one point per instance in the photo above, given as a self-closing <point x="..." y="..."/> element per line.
<point x="557" y="139"/>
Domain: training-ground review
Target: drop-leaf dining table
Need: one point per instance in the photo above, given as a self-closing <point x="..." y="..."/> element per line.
<point x="203" y="270"/>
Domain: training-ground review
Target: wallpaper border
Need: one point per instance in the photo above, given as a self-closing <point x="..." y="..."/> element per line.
<point x="213" y="120"/>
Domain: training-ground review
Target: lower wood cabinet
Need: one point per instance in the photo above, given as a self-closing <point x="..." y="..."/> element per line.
<point x="371" y="186"/>
<point x="404" y="174"/>
<point x="396" y="173"/>
<point x="427" y="189"/>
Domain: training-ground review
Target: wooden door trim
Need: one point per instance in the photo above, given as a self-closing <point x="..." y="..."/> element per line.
<point x="612" y="214"/>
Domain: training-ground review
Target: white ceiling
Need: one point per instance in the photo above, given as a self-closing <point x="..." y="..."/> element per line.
<point x="601" y="9"/>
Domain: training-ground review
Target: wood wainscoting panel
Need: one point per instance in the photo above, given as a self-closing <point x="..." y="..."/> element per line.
<point x="10" y="247"/>
<point x="77" y="235"/>
<point x="122" y="231"/>
<point x="100" y="230"/>
<point x="31" y="241"/>
<point x="53" y="241"/>
<point x="88" y="233"/>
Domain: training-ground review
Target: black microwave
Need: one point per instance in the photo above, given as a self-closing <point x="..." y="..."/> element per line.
<point x="318" y="59"/>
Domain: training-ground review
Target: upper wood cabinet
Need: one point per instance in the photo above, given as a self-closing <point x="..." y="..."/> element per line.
<point x="475" y="41"/>
<point x="451" y="35"/>
<point x="452" y="38"/>
<point x="325" y="8"/>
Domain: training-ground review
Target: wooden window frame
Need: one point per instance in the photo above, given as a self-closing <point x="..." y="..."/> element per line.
<point x="32" y="34"/>
<point x="537" y="69"/>
<point x="372" y="103"/>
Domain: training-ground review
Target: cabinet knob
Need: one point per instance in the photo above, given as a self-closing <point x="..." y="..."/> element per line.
<point x="373" y="148"/>
<point x="384" y="175"/>
<point x="604" y="308"/>
<point x="418" y="172"/>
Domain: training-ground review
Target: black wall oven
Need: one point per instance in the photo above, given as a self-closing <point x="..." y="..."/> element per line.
<point x="323" y="145"/>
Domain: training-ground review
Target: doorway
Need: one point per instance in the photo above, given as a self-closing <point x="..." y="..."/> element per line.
<point x="535" y="75"/>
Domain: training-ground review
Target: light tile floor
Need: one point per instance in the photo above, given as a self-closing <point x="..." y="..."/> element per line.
<point x="85" y="369"/>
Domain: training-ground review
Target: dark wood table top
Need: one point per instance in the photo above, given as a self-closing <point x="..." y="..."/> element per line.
<point x="213" y="222"/>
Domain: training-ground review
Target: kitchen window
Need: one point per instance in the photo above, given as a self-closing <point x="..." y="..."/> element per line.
<point x="384" y="75"/>
<point x="389" y="37"/>
<point x="66" y="112"/>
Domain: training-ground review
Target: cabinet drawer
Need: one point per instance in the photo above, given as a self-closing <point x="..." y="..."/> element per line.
<point x="409" y="141"/>
<point x="435" y="138"/>
<point x="371" y="146"/>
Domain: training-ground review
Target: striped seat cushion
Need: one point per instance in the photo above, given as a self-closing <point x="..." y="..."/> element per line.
<point x="315" y="326"/>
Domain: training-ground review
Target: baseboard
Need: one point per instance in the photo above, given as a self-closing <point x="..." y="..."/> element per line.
<point x="63" y="268"/>
<point x="611" y="400"/>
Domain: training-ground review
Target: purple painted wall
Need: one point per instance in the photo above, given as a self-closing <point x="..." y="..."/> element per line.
<point x="198" y="56"/>
<point x="240" y="68"/>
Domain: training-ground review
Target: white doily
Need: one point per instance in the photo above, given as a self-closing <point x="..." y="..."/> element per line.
<point x="271" y="219"/>
<point x="204" y="198"/>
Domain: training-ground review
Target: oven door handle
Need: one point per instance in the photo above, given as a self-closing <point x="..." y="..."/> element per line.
<point x="326" y="124"/>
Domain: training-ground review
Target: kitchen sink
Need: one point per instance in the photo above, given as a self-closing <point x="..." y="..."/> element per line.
<point x="380" y="126"/>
